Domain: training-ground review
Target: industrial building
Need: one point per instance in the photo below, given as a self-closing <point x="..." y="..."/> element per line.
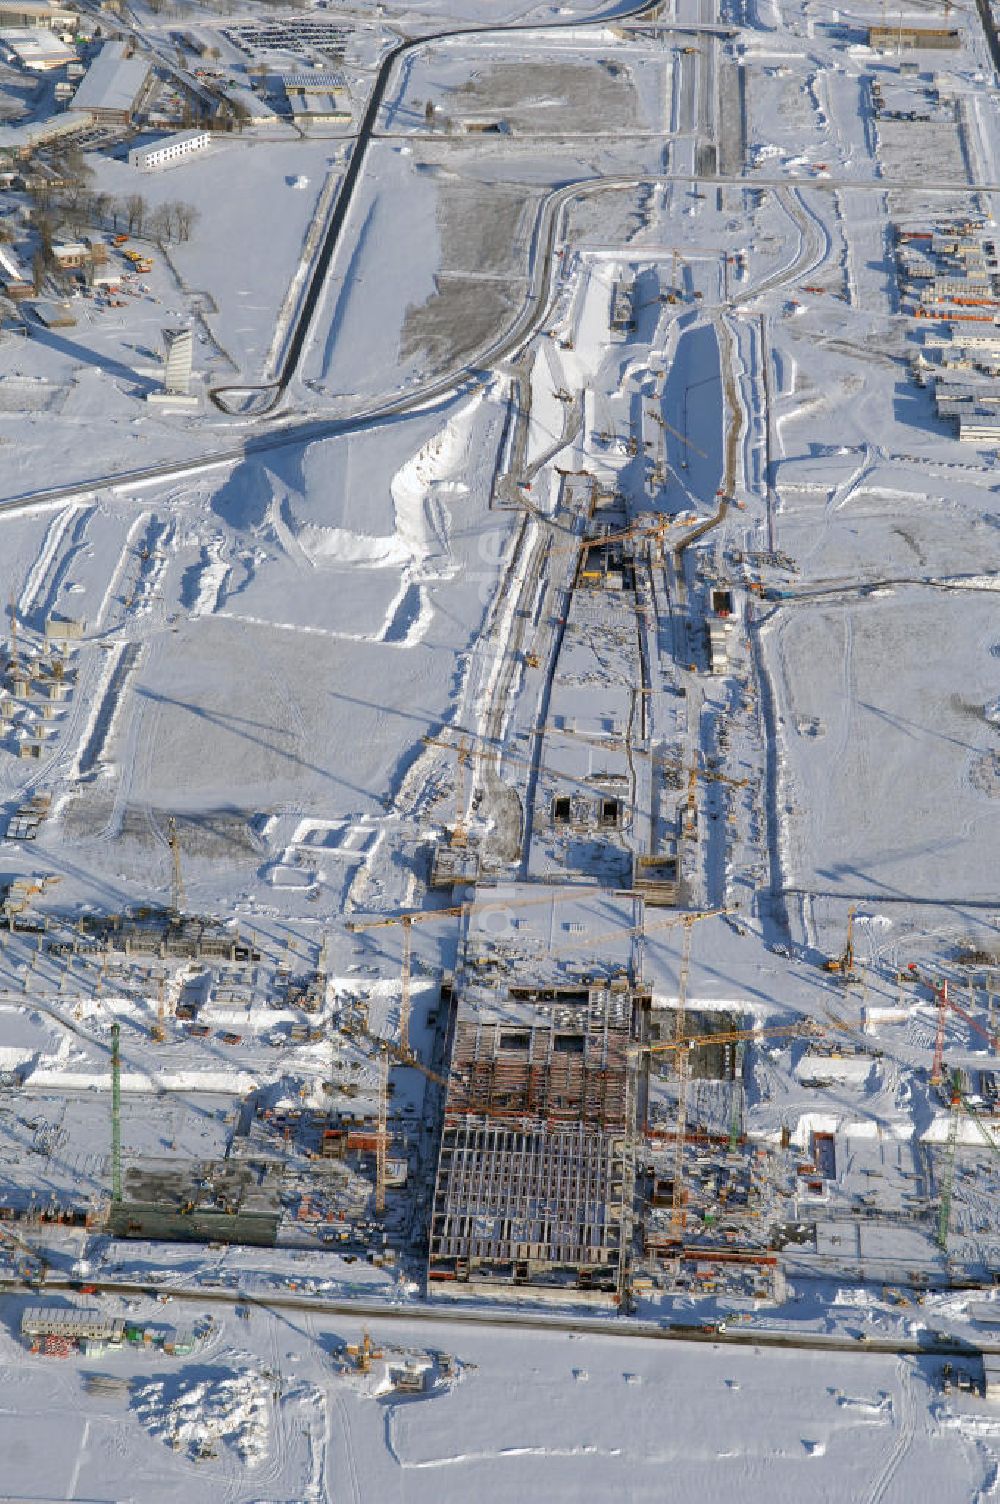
<point x="22" y="140"/>
<point x="113" y="86"/>
<point x="168" y="149"/>
<point x="314" y="97"/>
<point x="36" y="48"/>
<point x="38" y="13"/>
<point x="533" y="1182"/>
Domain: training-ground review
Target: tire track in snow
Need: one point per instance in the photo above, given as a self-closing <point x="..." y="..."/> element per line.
<point x="349" y="1449"/>
<point x="907" y="1425"/>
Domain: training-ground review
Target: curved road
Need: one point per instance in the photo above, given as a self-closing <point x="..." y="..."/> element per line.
<point x="272" y="391"/>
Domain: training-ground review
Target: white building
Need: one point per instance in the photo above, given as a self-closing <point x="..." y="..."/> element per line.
<point x="167" y="150"/>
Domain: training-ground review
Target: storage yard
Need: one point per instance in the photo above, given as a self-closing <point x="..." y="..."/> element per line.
<point x="499" y="952"/>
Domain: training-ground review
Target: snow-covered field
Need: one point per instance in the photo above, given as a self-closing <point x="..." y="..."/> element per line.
<point x="528" y="1414"/>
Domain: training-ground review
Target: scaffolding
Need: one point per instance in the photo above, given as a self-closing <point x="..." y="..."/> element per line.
<point x="533" y="1183"/>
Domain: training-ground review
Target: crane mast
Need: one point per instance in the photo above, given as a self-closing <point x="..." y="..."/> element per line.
<point x="116" y="1115"/>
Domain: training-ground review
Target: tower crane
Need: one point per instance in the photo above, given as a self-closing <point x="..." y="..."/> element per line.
<point x="13" y="662"/>
<point x="959" y="1103"/>
<point x="460" y="830"/>
<point x="659" y="419"/>
<point x="159" y="1030"/>
<point x="388" y="1052"/>
<point x="643" y="928"/>
<point x="523" y="762"/>
<point x="694" y="773"/>
<point x="676" y="291"/>
<point x="648" y="531"/>
<point x="946" y="1002"/>
<point x="678" y="1194"/>
<point x="177" y="896"/>
<point x="382" y="1132"/>
<point x="428" y="916"/>
<point x="116" y="1115"/>
<point x="807" y="1029"/>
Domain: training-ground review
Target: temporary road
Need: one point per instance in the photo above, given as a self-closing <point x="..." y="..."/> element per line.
<point x="454" y="1314"/>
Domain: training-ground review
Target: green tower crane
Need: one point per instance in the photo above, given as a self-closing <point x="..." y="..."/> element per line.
<point x="116" y="1116"/>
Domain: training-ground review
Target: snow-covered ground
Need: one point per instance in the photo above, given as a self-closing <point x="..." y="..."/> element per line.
<point x="277" y="614"/>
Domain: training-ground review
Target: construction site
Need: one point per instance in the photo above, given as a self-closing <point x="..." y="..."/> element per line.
<point x="498" y="798"/>
<point x="567" y="1084"/>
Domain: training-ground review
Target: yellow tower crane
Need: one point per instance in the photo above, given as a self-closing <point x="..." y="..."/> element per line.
<point x="159" y="1030"/>
<point x="711" y="776"/>
<point x="382" y="1133"/>
<point x="683" y="1065"/>
<point x="177" y="896"/>
<point x="428" y="916"/>
<point x="807" y="1029"/>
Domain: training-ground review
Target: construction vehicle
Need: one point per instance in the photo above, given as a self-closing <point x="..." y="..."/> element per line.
<point x="843" y="965"/>
<point x="362" y="1354"/>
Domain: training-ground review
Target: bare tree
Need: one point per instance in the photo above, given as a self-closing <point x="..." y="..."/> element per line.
<point x="185" y="219"/>
<point x="238" y="113"/>
<point x="40" y="190"/>
<point x="75" y="209"/>
<point x="135" y="213"/>
<point x="160" y="222"/>
<point x="73" y="164"/>
<point x="42" y="223"/>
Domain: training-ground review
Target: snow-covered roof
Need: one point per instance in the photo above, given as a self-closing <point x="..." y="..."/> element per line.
<point x="113" y="81"/>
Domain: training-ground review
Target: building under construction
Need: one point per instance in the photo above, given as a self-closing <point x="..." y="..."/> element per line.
<point x="534" y="1181"/>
